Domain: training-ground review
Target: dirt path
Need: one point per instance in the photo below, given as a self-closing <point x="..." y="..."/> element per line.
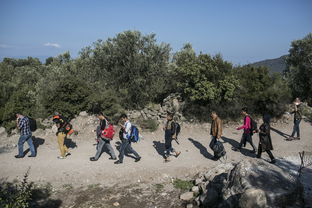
<point x="78" y="171"/>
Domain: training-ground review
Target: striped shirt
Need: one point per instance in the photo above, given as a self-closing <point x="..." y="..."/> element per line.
<point x="24" y="126"/>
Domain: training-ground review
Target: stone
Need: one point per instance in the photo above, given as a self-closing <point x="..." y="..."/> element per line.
<point x="195" y="189"/>
<point x="83" y="114"/>
<point x="187" y="196"/>
<point x="116" y="204"/>
<point x="3" y="132"/>
<point x="189" y="206"/>
<point x="253" y="198"/>
<point x="198" y="181"/>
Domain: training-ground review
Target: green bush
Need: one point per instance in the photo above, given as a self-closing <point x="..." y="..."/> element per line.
<point x="182" y="184"/>
<point x="149" y="124"/>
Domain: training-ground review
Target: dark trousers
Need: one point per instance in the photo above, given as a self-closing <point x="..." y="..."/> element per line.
<point x="268" y="151"/>
<point x="247" y="138"/>
<point x="296" y="128"/>
<point x="126" y="146"/>
<point x="168" y="145"/>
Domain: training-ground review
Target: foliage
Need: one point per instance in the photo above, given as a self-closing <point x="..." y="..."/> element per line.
<point x="149" y="124"/>
<point x="16" y="195"/>
<point x="182" y="184"/>
<point x="299" y="68"/>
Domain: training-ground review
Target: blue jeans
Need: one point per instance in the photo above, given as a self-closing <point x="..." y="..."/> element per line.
<point x="21" y="141"/>
<point x="296" y="128"/>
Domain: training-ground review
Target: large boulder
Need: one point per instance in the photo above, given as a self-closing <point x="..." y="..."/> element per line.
<point x="250" y="183"/>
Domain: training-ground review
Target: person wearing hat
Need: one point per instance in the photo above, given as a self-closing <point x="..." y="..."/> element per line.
<point x="297" y="119"/>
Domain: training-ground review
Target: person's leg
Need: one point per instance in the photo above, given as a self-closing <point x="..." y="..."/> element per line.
<point x="294" y="129"/>
<point x="271" y="156"/>
<point x="249" y="139"/>
<point x="131" y="150"/>
<point x="259" y="151"/>
<point x="21" y="142"/>
<point x="123" y="146"/>
<point x="31" y="145"/>
<point x="243" y="141"/>
<point x="110" y="149"/>
<point x="212" y="142"/>
<point x="60" y="139"/>
<point x="99" y="149"/>
<point x="167" y="147"/>
<point x="298" y="128"/>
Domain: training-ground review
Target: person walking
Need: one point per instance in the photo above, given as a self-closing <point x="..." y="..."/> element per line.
<point x="61" y="133"/>
<point x="26" y="136"/>
<point x="170" y="134"/>
<point x="126" y="140"/>
<point x="102" y="141"/>
<point x="297" y="119"/>
<point x="247" y="134"/>
<point x="265" y="141"/>
<point x="216" y="133"/>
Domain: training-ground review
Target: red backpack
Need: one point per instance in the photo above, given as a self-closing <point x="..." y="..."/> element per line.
<point x="108" y="132"/>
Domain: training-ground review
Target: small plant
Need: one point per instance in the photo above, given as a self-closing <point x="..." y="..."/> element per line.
<point x="158" y="187"/>
<point x="182" y="184"/>
<point x="16" y="195"/>
<point x="68" y="186"/>
<point x="150" y="124"/>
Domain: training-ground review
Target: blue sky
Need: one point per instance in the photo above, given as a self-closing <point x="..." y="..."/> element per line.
<point x="243" y="31"/>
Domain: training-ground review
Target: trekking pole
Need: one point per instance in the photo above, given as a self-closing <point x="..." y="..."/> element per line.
<point x="177" y="141"/>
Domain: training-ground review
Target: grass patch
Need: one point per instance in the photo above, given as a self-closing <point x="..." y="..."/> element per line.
<point x="182" y="184"/>
<point x="67" y="187"/>
<point x="149" y="124"/>
<point x="158" y="187"/>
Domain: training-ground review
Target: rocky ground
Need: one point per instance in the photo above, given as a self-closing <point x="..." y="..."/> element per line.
<point x="77" y="182"/>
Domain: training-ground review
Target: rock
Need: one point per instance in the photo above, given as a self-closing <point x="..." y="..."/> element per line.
<point x="3" y="132"/>
<point x="198" y="181"/>
<point x="54" y="129"/>
<point x="83" y="114"/>
<point x="195" y="189"/>
<point x="189" y="206"/>
<point x="253" y="198"/>
<point x="116" y="204"/>
<point x="187" y="196"/>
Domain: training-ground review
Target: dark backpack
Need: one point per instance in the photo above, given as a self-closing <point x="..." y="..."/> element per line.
<point x="32" y="124"/>
<point x="218" y="149"/>
<point x="177" y="128"/>
<point x="253" y="125"/>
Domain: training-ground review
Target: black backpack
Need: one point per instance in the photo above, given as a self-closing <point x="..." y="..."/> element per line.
<point x="32" y="124"/>
<point x="253" y="126"/>
<point x="177" y="128"/>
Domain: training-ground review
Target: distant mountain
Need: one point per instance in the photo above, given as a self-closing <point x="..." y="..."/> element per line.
<point x="275" y="65"/>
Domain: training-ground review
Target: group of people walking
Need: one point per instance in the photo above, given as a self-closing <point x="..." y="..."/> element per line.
<point x="249" y="128"/>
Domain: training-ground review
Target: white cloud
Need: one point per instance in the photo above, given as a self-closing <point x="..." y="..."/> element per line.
<point x="5" y="46"/>
<point x="54" y="45"/>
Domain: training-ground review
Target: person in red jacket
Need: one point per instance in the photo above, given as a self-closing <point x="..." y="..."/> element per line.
<point x="247" y="135"/>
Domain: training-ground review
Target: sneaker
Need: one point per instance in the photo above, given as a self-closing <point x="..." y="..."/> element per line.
<point x="290" y="138"/>
<point x="118" y="162"/>
<point x="67" y="154"/>
<point x="177" y="154"/>
<point x="60" y="157"/>
<point x="166" y="160"/>
<point x="297" y="138"/>
<point x="93" y="159"/>
<point x="31" y="155"/>
<point x="18" y="156"/>
<point x="137" y="159"/>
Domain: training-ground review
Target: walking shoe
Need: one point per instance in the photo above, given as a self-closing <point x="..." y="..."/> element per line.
<point x="31" y="155"/>
<point x="112" y="158"/>
<point x="18" y="156"/>
<point x="273" y="161"/>
<point x="166" y="160"/>
<point x="118" y="162"/>
<point x="177" y="154"/>
<point x="67" y="154"/>
<point x="93" y="159"/>
<point x="137" y="159"/>
<point x="290" y="138"/>
<point x="60" y="157"/>
<point x="297" y="138"/>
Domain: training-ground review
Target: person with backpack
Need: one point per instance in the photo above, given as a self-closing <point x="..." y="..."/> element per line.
<point x="265" y="141"/>
<point x="170" y="134"/>
<point x="23" y="125"/>
<point x="62" y="131"/>
<point x="297" y="119"/>
<point x="126" y="140"/>
<point x="249" y="128"/>
<point x="216" y="133"/>
<point x="103" y="141"/>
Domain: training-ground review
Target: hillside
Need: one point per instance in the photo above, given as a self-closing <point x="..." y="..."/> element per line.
<point x="275" y="65"/>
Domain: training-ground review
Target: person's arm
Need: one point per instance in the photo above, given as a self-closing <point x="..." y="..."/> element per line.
<point x="103" y="124"/>
<point x="20" y="123"/>
<point x="219" y="126"/>
<point x="246" y="124"/>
